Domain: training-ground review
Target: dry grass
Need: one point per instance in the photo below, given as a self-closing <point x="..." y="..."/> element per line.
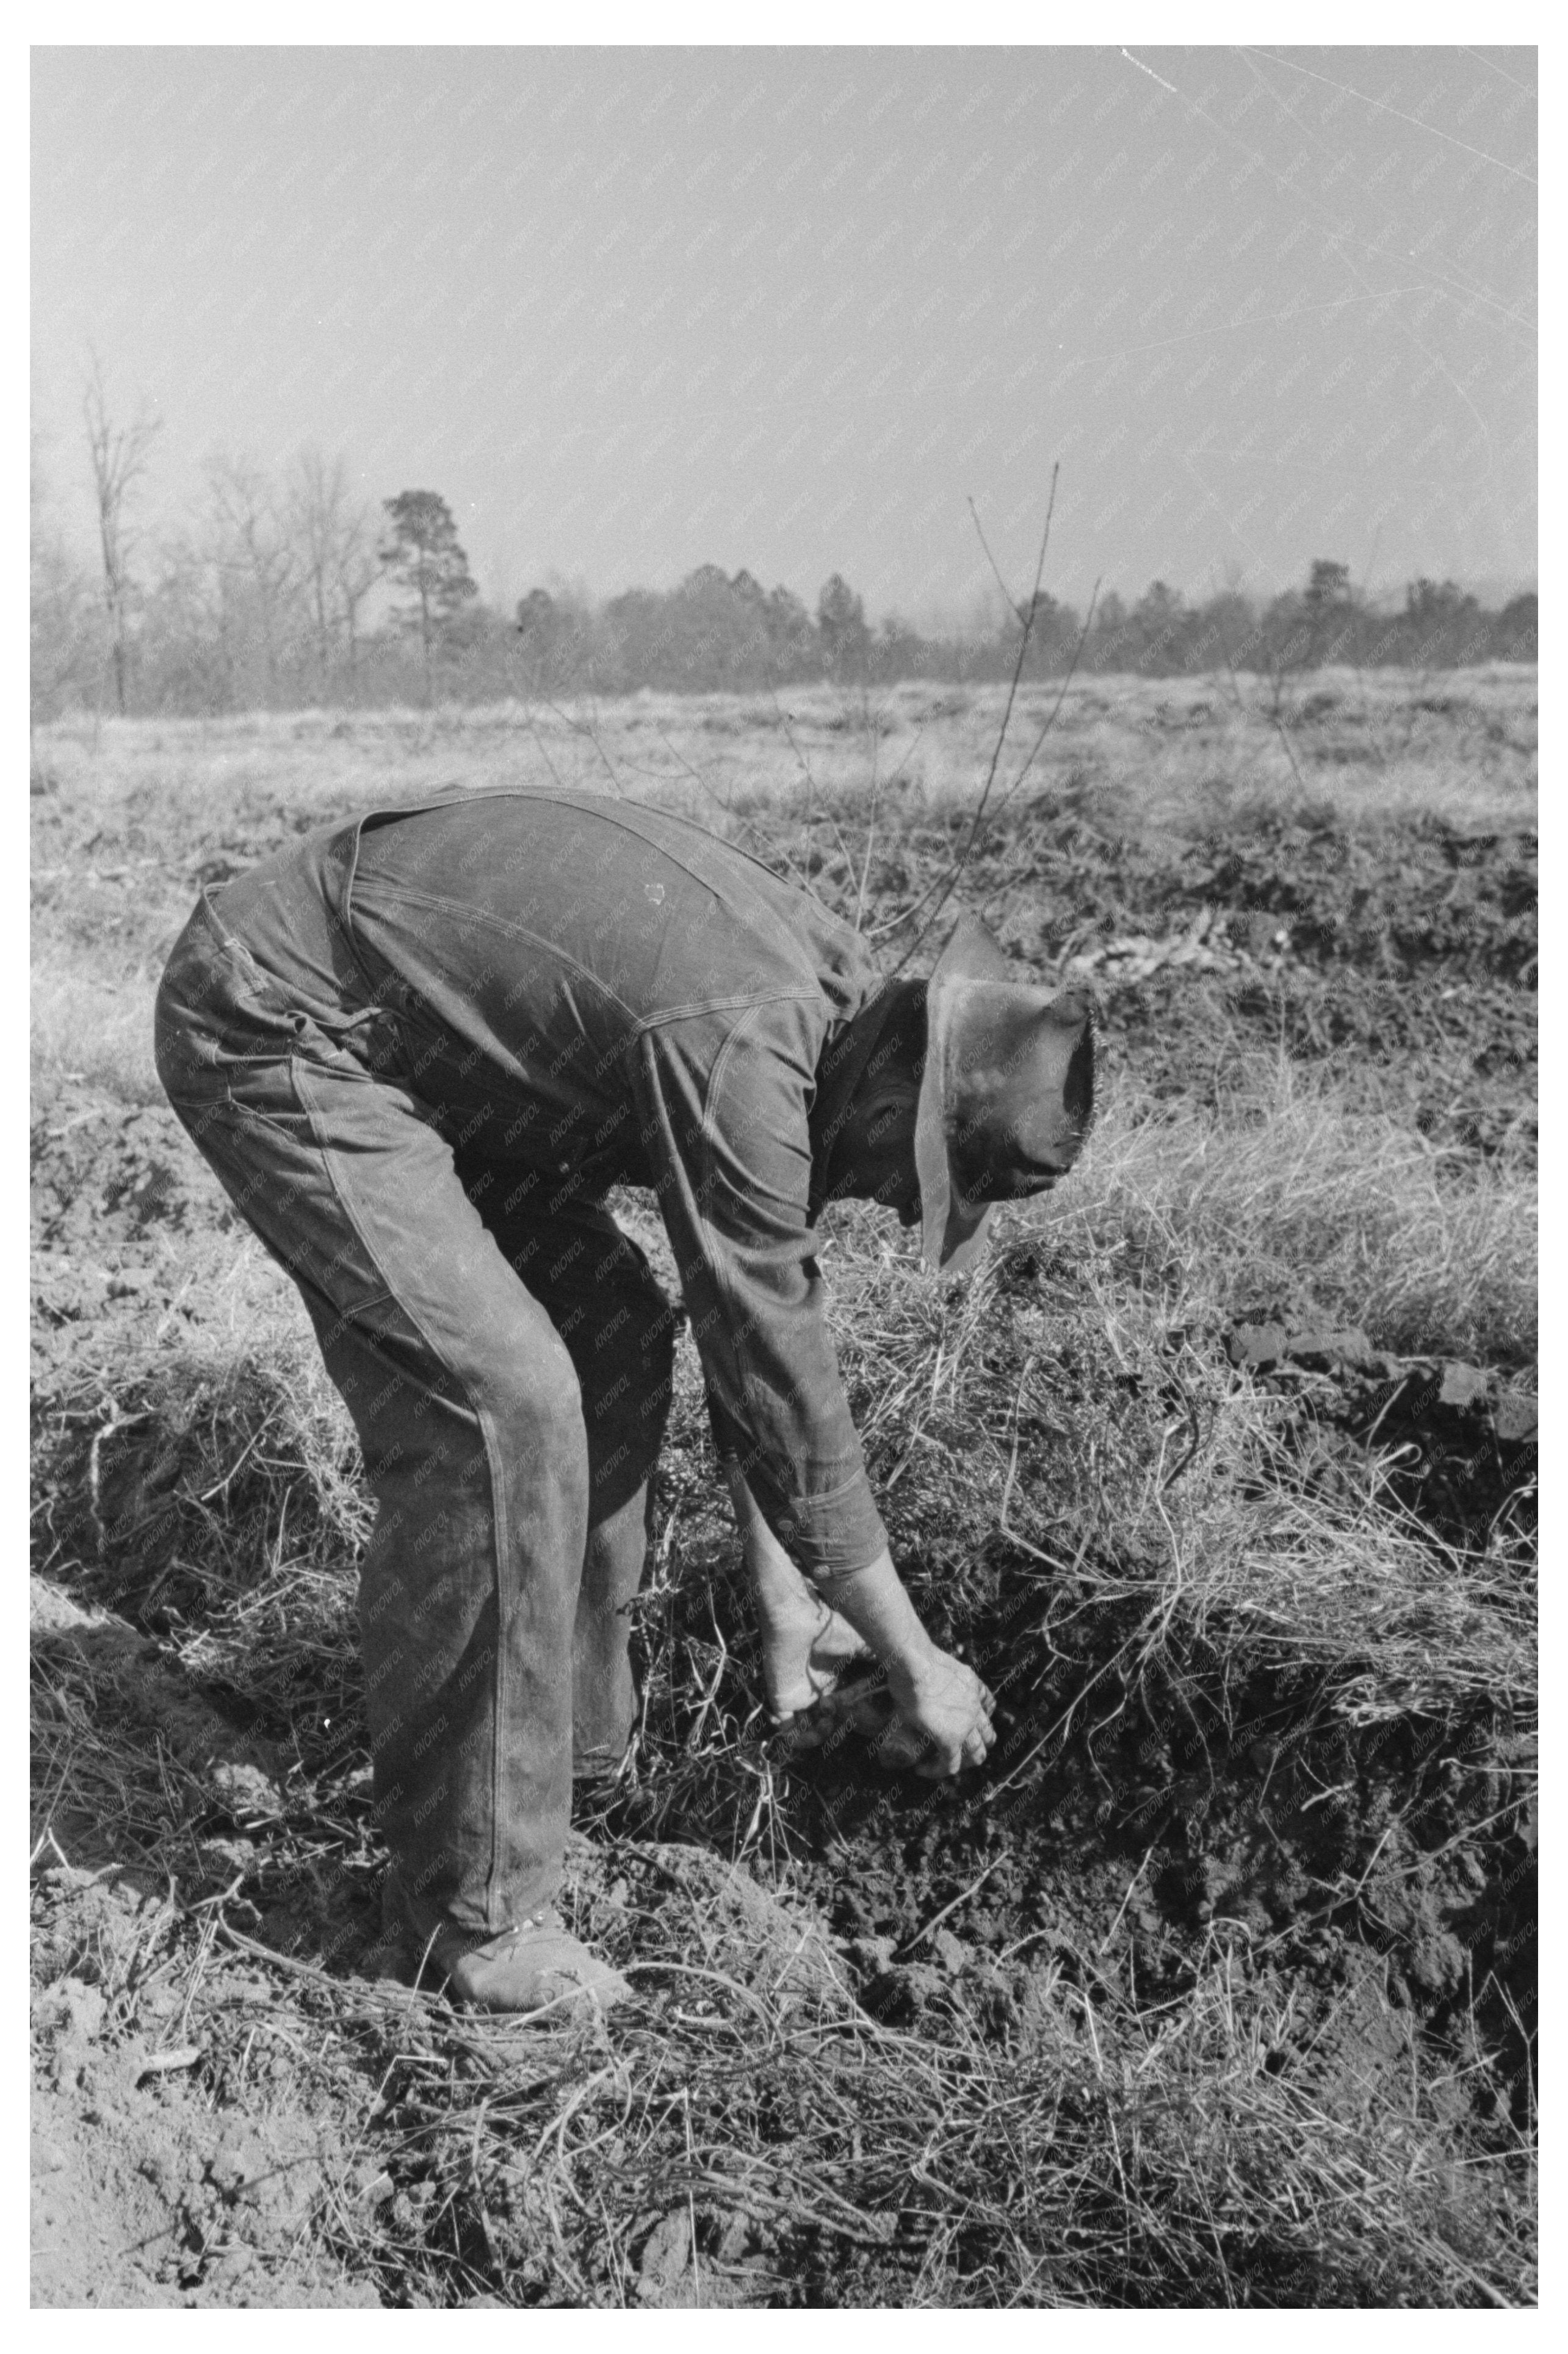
<point x="1046" y="2137"/>
<point x="92" y="1028"/>
<point x="1072" y="1401"/>
<point x="747" y="2133"/>
<point x="1282" y="1193"/>
<point x="1073" y="1474"/>
<point x="1161" y="753"/>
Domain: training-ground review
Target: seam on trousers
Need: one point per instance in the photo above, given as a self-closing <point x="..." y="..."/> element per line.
<point x="240" y="1113"/>
<point x="498" y="1713"/>
<point x="497" y="1493"/>
<point x="718" y="1265"/>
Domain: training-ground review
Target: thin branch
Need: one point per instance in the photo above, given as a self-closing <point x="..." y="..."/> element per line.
<point x="906" y="915"/>
<point x="540" y="746"/>
<point x="1230" y="666"/>
<point x="813" y="817"/>
<point x="1013" y="606"/>
<point x="871" y="822"/>
<point x="590" y="729"/>
<point x="805" y="766"/>
<point x="769" y="848"/>
<point x="1062" y="697"/>
<point x="825" y="817"/>
<point x="1280" y="730"/>
<point x="947" y="1910"/>
<point x="1025" y="633"/>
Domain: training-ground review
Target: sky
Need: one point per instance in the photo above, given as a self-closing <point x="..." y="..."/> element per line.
<point x="629" y="310"/>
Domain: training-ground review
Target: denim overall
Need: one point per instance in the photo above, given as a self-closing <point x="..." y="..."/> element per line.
<point x="503" y="1347"/>
<point x="508" y="1426"/>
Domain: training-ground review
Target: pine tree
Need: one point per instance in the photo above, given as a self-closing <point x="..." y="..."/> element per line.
<point x="422" y="554"/>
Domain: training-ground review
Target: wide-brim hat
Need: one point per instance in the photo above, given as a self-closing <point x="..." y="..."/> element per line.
<point x="1005" y="1096"/>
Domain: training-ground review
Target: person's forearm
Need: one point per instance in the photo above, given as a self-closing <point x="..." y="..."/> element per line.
<point x="874" y="1602"/>
<point x="782" y="1594"/>
<point x="873" y="1599"/>
<point x="943" y="1709"/>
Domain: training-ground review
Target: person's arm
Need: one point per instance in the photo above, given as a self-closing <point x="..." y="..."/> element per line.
<point x="941" y="1704"/>
<point x="724" y="1102"/>
<point x="939" y="1700"/>
<point x="804" y="1644"/>
<point x="724" y="1097"/>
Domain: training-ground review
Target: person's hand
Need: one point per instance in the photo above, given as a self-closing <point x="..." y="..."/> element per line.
<point x="931" y="1709"/>
<point x="805" y="1650"/>
<point x="942" y="1717"/>
<point x="805" y="1646"/>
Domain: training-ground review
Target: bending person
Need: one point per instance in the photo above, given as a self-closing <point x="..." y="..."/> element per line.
<point x="419" y="1050"/>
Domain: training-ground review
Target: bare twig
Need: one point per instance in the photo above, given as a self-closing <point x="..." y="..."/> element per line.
<point x="1284" y="735"/>
<point x="581" y="727"/>
<point x="1053" y="714"/>
<point x="1013" y="606"/>
<point x="765" y="841"/>
<point x="1024" y="634"/>
<point x="935" y="1923"/>
<point x="870" y="828"/>
<point x="1126" y="1899"/>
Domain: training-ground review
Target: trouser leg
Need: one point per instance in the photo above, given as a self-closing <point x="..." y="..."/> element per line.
<point x="604" y="1690"/>
<point x="470" y="1417"/>
<point x="619" y="1330"/>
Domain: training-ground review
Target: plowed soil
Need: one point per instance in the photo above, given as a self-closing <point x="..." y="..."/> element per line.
<point x="213" y="2126"/>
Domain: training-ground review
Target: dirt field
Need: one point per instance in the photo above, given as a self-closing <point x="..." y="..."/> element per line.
<point x="1219" y="1987"/>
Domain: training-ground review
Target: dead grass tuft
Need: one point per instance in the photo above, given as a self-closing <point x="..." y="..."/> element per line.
<point x="1141" y="1545"/>
<point x="1281" y="1194"/>
<point x="94" y="1028"/>
<point x="745" y="2133"/>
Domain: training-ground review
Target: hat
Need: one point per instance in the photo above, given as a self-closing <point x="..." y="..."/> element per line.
<point x="1005" y="1096"/>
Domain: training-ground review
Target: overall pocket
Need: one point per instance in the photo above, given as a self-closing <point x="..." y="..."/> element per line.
<point x="273" y="1149"/>
<point x="217" y="1012"/>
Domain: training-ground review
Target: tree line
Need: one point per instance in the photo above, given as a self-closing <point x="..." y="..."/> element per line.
<point x="281" y="592"/>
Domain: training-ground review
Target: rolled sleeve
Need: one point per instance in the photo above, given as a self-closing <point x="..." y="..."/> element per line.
<point x="725" y="1104"/>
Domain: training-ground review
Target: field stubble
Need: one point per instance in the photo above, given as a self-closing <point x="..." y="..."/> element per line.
<point x="1219" y="1988"/>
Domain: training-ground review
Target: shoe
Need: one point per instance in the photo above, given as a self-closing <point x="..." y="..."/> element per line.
<point x="535" y="1967"/>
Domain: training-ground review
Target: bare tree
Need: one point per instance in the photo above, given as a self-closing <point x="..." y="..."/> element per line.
<point x="333" y="537"/>
<point x="312" y="497"/>
<point x="64" y="609"/>
<point x="189" y="641"/>
<point x="252" y="546"/>
<point x="359" y="569"/>
<point x="119" y="454"/>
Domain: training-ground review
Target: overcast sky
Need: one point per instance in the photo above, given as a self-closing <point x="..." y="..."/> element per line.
<point x="631" y="311"/>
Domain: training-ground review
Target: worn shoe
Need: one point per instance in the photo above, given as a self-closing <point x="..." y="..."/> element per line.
<point x="535" y="1967"/>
